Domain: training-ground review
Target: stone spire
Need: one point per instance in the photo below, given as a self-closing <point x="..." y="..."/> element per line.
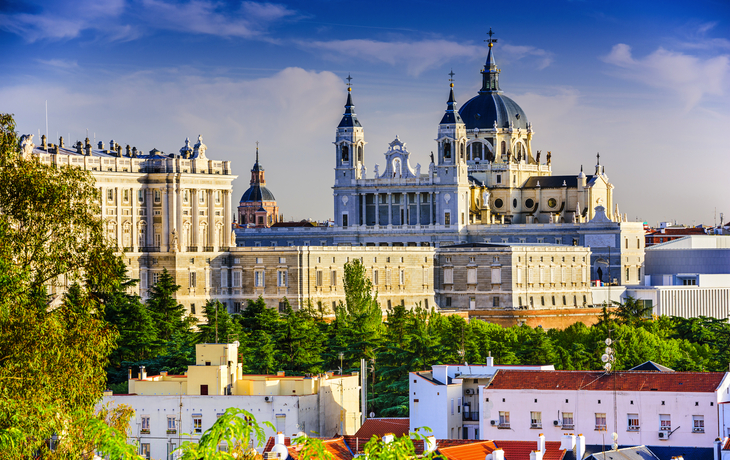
<point x="349" y="118"/>
<point x="452" y="115"/>
<point x="490" y="73"/>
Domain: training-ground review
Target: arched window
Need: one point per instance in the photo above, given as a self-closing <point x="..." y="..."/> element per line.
<point x="447" y="150"/>
<point x="463" y="148"/>
<point x="476" y="151"/>
<point x="345" y="154"/>
<point x="504" y="148"/>
<point x="359" y="153"/>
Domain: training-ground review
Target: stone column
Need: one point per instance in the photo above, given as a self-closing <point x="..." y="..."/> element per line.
<point x="134" y="231"/>
<point x="150" y="237"/>
<point x="195" y="229"/>
<point x="390" y="208"/>
<point x="363" y="209"/>
<point x="211" y="218"/>
<point x="430" y="217"/>
<point x="377" y="209"/>
<point x="165" y="243"/>
<point x="178" y="212"/>
<point x="118" y="212"/>
<point x="418" y="208"/>
<point x="227" y="218"/>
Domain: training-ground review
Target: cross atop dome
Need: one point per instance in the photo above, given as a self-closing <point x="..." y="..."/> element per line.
<point x="491" y="40"/>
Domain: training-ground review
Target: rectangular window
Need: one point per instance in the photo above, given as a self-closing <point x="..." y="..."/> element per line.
<point x="402" y="277"/>
<point x="535" y="419"/>
<point x="447" y="218"/>
<point x="471" y="276"/>
<point x="171" y="451"/>
<point x="192" y="279"/>
<point x="698" y="424"/>
<point x="282" y="260"/>
<point x="202" y="197"/>
<point x="236" y="307"/>
<point x="375" y="277"/>
<point x="144" y="450"/>
<point x="281" y="278"/>
<point x="503" y="419"/>
<point x="318" y="278"/>
<point x="496" y="275"/>
<point x="495" y="301"/>
<point x="448" y="301"/>
<point x="171" y="426"/>
<point x="197" y="424"/>
<point x="665" y="422"/>
<point x="333" y="278"/>
<point x="155" y="278"/>
<point x="633" y="422"/>
<point x="140" y="196"/>
<point x="600" y="421"/>
<point x="236" y="281"/>
<point x="145" y="428"/>
<point x="126" y="195"/>
<point x="224" y="279"/>
<point x="568" y="420"/>
<point x="448" y="276"/>
<point x="158" y="196"/>
<point x="387" y="277"/>
<point x="452" y="406"/>
<point x="259" y="278"/>
<point x="110" y="194"/>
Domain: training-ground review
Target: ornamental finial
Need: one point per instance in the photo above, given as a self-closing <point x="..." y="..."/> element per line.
<point x="491" y="40"/>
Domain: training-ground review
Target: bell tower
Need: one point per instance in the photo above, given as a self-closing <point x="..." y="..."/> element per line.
<point x="349" y="144"/>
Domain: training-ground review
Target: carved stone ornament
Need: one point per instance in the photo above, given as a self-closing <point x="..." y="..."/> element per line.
<point x="447" y="198"/>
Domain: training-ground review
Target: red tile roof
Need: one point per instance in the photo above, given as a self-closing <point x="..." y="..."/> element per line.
<point x="382" y="426"/>
<point x="727" y="445"/>
<point x="693" y="382"/>
<point x="337" y="447"/>
<point x="472" y="451"/>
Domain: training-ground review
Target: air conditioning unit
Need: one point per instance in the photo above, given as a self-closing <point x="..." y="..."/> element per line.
<point x="663" y="435"/>
<point x="469" y="391"/>
<point x="493" y="422"/>
<point x="269" y="399"/>
<point x="556" y="422"/>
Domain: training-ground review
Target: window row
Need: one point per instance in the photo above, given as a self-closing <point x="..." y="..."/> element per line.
<point x="187" y="195"/>
<point x="567" y="422"/>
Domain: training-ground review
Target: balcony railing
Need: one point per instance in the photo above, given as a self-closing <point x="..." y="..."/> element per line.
<point x="192" y="249"/>
<point x="171" y="431"/>
<point x="471" y="416"/>
<point x="568" y="427"/>
<point x="536" y="426"/>
<point x="208" y="249"/>
<point x="633" y="428"/>
<point x="503" y="426"/>
<point x="149" y="249"/>
<point x="144" y="431"/>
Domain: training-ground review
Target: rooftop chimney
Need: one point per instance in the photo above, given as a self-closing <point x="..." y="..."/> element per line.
<point x="535" y="455"/>
<point x="568" y="442"/>
<point x="129" y="151"/>
<point x="60" y="142"/>
<point x="142" y="372"/>
<point x="280" y="438"/>
<point x="580" y="447"/>
<point x="388" y="438"/>
<point x="430" y="444"/>
<point x="101" y="145"/>
<point x="79" y="148"/>
<point x="498" y="454"/>
<point x="44" y="142"/>
<point x="541" y="443"/>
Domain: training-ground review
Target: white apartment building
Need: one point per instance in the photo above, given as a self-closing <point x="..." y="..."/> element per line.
<point x="446" y="398"/>
<point x="665" y="409"/>
<point x="171" y="409"/>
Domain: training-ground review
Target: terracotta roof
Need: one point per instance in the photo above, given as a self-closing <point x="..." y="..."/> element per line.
<point x="727" y="445"/>
<point x="472" y="451"/>
<point x="272" y="442"/>
<point x="693" y="382"/>
<point x="337" y="447"/>
<point x="382" y="426"/>
<point x="520" y="450"/>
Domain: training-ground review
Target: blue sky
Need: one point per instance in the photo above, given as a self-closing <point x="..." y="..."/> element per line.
<point x="645" y="83"/>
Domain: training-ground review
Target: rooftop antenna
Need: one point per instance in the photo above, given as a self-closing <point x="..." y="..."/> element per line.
<point x="46" y="118"/>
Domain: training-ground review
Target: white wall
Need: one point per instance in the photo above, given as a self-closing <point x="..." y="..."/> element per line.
<point x="585" y="404"/>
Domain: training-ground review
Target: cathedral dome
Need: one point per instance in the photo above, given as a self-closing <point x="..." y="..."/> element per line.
<point x="257" y="193"/>
<point x="483" y="110"/>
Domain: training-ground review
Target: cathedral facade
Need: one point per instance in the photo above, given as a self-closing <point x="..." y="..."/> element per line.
<point x="486" y="184"/>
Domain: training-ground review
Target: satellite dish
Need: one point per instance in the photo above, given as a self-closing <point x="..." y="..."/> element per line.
<point x="609" y="341"/>
<point x="615" y="436"/>
<point x="372" y="414"/>
<point x="609" y="350"/>
<point x="615" y="446"/>
<point x="604" y="358"/>
<point x="607" y="366"/>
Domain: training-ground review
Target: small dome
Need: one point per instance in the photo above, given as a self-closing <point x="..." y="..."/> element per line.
<point x="484" y="109"/>
<point x="257" y="193"/>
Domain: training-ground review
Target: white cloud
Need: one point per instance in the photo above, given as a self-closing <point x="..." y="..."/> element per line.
<point x="415" y="56"/>
<point x="544" y="58"/>
<point x="691" y="77"/>
<point x="69" y="19"/>
<point x="293" y="113"/>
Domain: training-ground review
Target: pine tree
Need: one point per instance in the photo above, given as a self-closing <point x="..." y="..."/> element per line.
<point x="169" y="316"/>
<point x="219" y="326"/>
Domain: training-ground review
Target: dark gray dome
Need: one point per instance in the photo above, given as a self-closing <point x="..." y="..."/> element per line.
<point x="484" y="109"/>
<point x="257" y="193"/>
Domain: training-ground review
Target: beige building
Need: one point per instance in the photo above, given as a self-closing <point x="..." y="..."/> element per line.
<point x="170" y="409"/>
<point x="170" y="211"/>
<point x="400" y="275"/>
<point x="478" y="276"/>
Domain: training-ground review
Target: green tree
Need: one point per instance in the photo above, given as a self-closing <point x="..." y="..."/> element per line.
<point x="53" y="348"/>
<point x="169" y="316"/>
<point x="300" y="341"/>
<point x="632" y="312"/>
<point x="219" y="326"/>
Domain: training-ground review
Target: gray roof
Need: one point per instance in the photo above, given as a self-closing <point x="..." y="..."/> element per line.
<point x="626" y="453"/>
<point x="651" y="366"/>
<point x="483" y="110"/>
<point x="257" y="193"/>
